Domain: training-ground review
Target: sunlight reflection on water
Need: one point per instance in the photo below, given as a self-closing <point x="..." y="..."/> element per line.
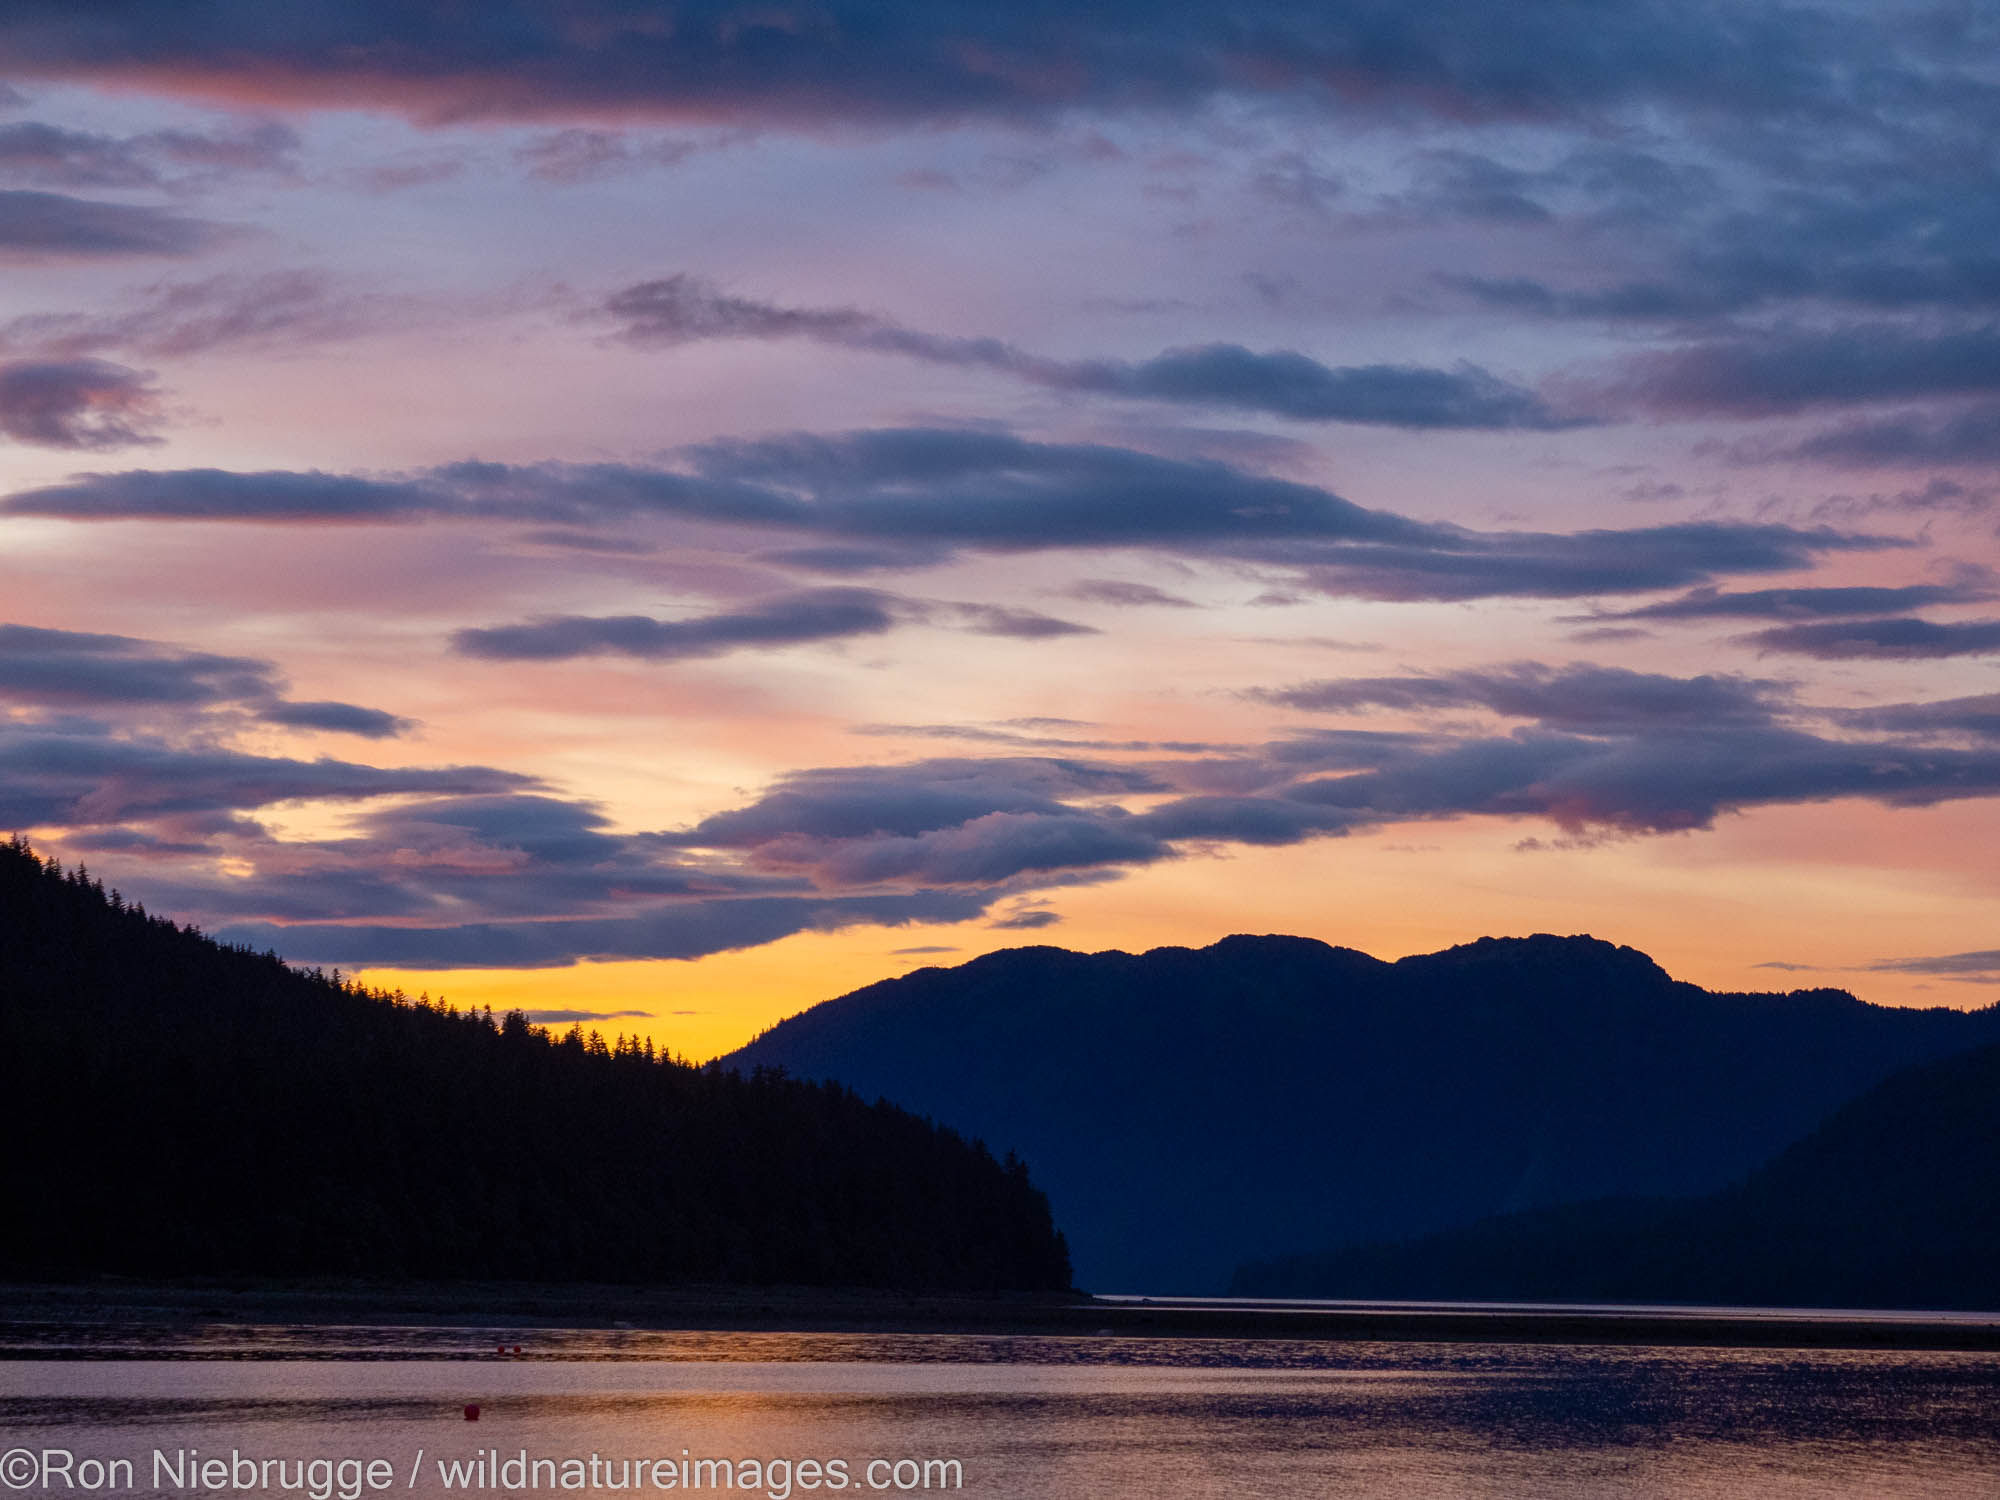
<point x="1053" y="1418"/>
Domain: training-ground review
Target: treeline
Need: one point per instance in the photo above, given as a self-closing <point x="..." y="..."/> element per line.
<point x="172" y="1106"/>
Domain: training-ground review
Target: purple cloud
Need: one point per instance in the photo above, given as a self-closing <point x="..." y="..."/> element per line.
<point x="54" y="226"/>
<point x="1899" y="638"/>
<point x="913" y="497"/>
<point x="682" y="309"/>
<point x="77" y="403"/>
<point x="67" y="669"/>
<point x="906" y="62"/>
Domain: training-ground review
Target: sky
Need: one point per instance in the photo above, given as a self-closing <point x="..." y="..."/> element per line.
<point x="661" y="514"/>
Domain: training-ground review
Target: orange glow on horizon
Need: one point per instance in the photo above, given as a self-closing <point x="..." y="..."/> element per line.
<point x="1399" y="892"/>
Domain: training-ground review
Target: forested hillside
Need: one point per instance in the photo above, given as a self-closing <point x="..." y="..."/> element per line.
<point x="171" y="1106"/>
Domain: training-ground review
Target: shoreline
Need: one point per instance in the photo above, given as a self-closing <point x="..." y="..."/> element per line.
<point x="158" y="1307"/>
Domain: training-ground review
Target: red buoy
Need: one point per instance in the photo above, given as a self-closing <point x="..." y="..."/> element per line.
<point x="472" y="1414"/>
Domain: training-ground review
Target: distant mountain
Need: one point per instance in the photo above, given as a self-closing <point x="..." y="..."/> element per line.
<point x="1188" y="1111"/>
<point x="173" y="1107"/>
<point x="1893" y="1202"/>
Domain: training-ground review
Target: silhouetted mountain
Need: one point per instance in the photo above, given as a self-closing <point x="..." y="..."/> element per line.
<point x="1188" y="1111"/>
<point x="170" y="1106"/>
<point x="1893" y="1202"/>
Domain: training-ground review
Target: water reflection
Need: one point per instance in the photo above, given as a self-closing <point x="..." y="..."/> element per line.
<point x="1166" y="1419"/>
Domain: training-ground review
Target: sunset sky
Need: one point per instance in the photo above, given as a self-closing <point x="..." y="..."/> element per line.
<point x="664" y="513"/>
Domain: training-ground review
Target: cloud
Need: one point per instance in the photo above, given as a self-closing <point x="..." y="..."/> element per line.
<point x="681" y="309"/>
<point x="1974" y="968"/>
<point x="491" y="876"/>
<point x="78" y="403"/>
<point x="1660" y="782"/>
<point x="1936" y="496"/>
<point x="909" y="62"/>
<point x="173" y="319"/>
<point x="1032" y="734"/>
<point x="1608" y="751"/>
<point x="580" y="155"/>
<point x="1245" y="820"/>
<point x="1788" y="371"/>
<point x="816" y="615"/>
<point x="1595" y="184"/>
<point x="1635" y="771"/>
<point x="1465" y="185"/>
<point x="500" y="881"/>
<point x="1898" y="638"/>
<point x="999" y="492"/>
<point x="906" y="801"/>
<point x="844" y="560"/>
<point x="1880" y="209"/>
<point x="43" y="155"/>
<point x="915" y="496"/>
<point x="822" y="615"/>
<point x="1804" y="603"/>
<point x="938" y="823"/>
<point x="1303" y="750"/>
<point x="990" y="850"/>
<point x="1978" y="715"/>
<point x="54" y="226"/>
<point x="252" y="146"/>
<point x="1026" y="921"/>
<point x="1473" y="565"/>
<point x="75" y="776"/>
<point x="551" y="830"/>
<point x="1605" y="633"/>
<point x="467" y="866"/>
<point x="1970" y="436"/>
<point x="1581" y="697"/>
<point x="527" y="59"/>
<point x="692" y="930"/>
<point x="896" y="488"/>
<point x="401" y="176"/>
<point x="1018" y="624"/>
<point x="501" y="853"/>
<point x="223" y="495"/>
<point x="67" y="669"/>
<point x="339" y="718"/>
<point x="1124" y="595"/>
<point x="50" y="156"/>
<point x="1288" y="384"/>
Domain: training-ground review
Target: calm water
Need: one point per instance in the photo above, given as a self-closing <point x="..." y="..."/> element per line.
<point x="1047" y="1418"/>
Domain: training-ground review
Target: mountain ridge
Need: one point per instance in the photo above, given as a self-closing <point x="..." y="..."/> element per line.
<point x="1891" y="1202"/>
<point x="1182" y="1104"/>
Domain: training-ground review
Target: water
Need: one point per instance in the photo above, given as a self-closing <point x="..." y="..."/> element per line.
<point x="1034" y="1418"/>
